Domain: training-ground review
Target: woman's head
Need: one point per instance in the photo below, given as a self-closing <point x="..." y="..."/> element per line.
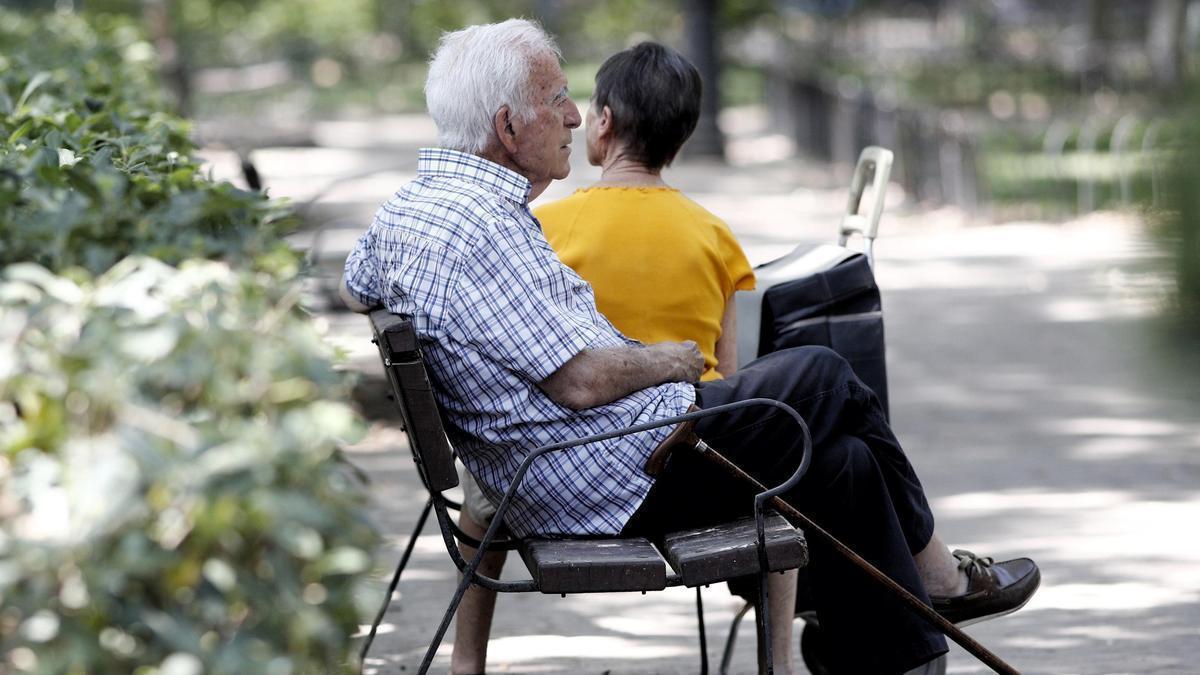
<point x="652" y="94"/>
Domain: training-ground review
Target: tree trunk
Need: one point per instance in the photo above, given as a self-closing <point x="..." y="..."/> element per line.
<point x="1165" y="42"/>
<point x="549" y="14"/>
<point x="173" y="63"/>
<point x="703" y="48"/>
<point x="1095" y="67"/>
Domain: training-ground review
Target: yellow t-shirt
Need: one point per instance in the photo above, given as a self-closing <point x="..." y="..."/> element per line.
<point x="662" y="267"/>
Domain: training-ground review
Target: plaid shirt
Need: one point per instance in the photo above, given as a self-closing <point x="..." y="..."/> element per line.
<point x="459" y="251"/>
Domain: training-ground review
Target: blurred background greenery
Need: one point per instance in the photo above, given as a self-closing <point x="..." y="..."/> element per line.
<point x="1014" y="108"/>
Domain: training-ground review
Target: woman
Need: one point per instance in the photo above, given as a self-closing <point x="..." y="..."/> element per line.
<point x="661" y="266"/>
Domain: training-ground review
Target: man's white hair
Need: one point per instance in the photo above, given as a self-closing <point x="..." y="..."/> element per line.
<point x="477" y="70"/>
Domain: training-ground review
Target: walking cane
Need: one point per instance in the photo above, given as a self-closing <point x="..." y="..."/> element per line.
<point x="683" y="435"/>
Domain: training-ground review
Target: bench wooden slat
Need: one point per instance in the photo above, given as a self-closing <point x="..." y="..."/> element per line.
<point x="594" y="565"/>
<point x="710" y="554"/>
<point x="401" y="337"/>
<point x="401" y="354"/>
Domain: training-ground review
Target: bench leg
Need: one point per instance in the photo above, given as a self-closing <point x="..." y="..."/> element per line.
<point x="762" y="621"/>
<point x="703" y="637"/>
<point x="441" y="631"/>
<point x="468" y="576"/>
<point x="387" y="599"/>
<point x="731" y="640"/>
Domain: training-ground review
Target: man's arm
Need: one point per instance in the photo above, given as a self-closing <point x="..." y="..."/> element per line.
<point x="348" y="298"/>
<point x="595" y="377"/>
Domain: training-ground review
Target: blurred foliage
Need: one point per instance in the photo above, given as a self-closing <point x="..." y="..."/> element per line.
<point x="385" y="70"/>
<point x="364" y="53"/>
<point x="1055" y="110"/>
<point x="168" y="478"/>
<point x="232" y="32"/>
<point x="92" y="168"/>
<point x="361" y="32"/>
<point x="947" y="84"/>
<point x="1179" y="223"/>
<point x="172" y="499"/>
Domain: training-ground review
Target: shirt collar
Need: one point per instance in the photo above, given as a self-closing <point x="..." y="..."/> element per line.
<point x="439" y="162"/>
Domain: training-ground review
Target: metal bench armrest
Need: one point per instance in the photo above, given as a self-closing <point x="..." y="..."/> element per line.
<point x="502" y="507"/>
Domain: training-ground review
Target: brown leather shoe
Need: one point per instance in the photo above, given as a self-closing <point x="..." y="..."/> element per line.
<point x="993" y="589"/>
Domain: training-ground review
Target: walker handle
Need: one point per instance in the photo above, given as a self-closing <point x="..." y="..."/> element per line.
<point x="875" y="165"/>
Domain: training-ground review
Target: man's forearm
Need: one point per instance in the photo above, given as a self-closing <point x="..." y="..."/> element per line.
<point x="620" y="371"/>
<point x="598" y="376"/>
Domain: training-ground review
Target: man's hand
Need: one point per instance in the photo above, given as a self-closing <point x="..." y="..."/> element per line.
<point x="684" y="358"/>
<point x="595" y="377"/>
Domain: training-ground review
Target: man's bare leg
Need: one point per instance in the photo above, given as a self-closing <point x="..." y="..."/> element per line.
<point x="781" y="595"/>
<point x="939" y="569"/>
<point x="473" y="623"/>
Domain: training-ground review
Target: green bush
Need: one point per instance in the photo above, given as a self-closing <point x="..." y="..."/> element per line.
<point x="172" y="499"/>
<point x="168" y="478"/>
<point x="92" y="168"/>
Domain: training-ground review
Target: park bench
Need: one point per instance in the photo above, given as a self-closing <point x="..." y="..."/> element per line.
<point x="750" y="546"/>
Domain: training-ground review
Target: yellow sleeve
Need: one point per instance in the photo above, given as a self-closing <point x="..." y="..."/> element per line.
<point x="737" y="267"/>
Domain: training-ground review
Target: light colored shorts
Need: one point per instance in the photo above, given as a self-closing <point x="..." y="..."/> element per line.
<point x="478" y="507"/>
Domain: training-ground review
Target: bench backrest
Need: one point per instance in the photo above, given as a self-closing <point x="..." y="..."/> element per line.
<point x="401" y="354"/>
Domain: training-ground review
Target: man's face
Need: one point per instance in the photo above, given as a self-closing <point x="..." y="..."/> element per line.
<point x="543" y="150"/>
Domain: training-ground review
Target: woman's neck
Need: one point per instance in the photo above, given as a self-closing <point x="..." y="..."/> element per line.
<point x="623" y="172"/>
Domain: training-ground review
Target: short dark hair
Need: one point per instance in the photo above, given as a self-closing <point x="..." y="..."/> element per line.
<point x="654" y="94"/>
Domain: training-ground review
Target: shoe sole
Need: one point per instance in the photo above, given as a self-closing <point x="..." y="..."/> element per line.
<point x="997" y="615"/>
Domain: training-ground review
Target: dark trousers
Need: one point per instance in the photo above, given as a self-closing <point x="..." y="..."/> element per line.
<point x="860" y="487"/>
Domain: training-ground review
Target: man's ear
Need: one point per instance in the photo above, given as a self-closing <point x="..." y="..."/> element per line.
<point x="502" y="125"/>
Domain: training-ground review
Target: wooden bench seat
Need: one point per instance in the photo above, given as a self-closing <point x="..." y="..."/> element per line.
<point x="711" y="554"/>
<point x="594" y="565"/>
<point x="700" y="556"/>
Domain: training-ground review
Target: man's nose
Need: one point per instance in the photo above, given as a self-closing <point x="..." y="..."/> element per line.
<point x="573" y="119"/>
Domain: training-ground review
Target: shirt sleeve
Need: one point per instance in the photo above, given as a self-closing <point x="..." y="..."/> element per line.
<point x="363" y="272"/>
<point x="517" y="304"/>
<point x="737" y="267"/>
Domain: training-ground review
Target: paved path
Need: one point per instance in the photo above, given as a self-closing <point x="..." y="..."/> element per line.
<point x="1029" y="381"/>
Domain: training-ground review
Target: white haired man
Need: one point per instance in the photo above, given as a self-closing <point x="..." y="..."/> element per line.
<point x="520" y="357"/>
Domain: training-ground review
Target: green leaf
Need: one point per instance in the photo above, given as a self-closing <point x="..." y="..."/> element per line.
<point x="36" y="81"/>
<point x="20" y="132"/>
<point x="49" y="172"/>
<point x="80" y="181"/>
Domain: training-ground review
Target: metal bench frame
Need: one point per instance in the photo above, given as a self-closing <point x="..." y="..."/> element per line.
<point x="401" y="355"/>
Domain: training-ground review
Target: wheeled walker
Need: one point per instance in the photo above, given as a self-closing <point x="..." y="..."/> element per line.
<point x="822" y="295"/>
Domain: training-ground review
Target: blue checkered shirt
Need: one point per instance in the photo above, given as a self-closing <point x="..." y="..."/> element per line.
<point x="459" y="251"/>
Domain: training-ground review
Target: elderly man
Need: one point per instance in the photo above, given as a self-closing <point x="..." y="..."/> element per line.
<point x="520" y="357"/>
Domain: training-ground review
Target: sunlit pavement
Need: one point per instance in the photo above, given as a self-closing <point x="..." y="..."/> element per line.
<point x="1029" y="379"/>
